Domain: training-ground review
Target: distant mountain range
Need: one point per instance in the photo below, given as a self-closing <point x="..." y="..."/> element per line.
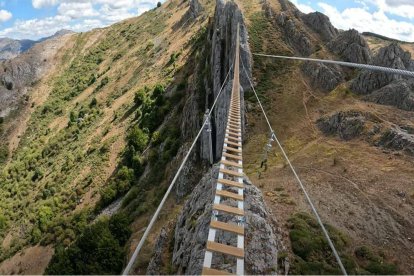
<point x="10" y="48"/>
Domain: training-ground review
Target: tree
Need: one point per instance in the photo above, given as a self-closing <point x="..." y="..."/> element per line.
<point x="138" y="139"/>
<point x="159" y="4"/>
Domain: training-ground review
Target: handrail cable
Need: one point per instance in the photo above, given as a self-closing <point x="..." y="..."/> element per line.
<point x="155" y="216"/>
<point x="347" y="64"/>
<point x="338" y="259"/>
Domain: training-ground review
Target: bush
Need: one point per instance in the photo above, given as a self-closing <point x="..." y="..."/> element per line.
<point x="93" y="103"/>
<point x="139" y="98"/>
<point x="99" y="249"/>
<point x="314" y="256"/>
<point x="138" y="139"/>
<point x="159" y="4"/>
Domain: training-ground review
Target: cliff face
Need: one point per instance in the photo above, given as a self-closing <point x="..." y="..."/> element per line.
<point x="11" y="48"/>
<point x="191" y="231"/>
<point x="223" y="38"/>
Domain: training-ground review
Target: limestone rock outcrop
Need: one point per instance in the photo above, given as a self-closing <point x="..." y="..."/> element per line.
<point x="191" y="231"/>
<point x="347" y="124"/>
<point x="398" y="93"/>
<point x="392" y="56"/>
<point x="322" y="76"/>
<point x="398" y="139"/>
<point x="223" y="38"/>
<point x="351" y="46"/>
<point x="321" y="24"/>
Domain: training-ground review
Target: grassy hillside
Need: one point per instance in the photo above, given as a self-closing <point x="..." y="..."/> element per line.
<point x="353" y="184"/>
<point x="98" y="132"/>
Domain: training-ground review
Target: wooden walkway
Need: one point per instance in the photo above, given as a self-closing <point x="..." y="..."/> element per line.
<point x="230" y="180"/>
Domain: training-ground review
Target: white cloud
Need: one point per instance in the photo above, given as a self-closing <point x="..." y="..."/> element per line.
<point x="5" y="15"/>
<point x="302" y="7"/>
<point x="76" y="15"/>
<point x="36" y="28"/>
<point x="403" y="8"/>
<point x="43" y="3"/>
<point x="77" y="10"/>
<point x="364" y="21"/>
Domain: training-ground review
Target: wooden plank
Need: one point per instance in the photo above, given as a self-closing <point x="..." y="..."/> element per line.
<point x="237" y="157"/>
<point x="229" y="195"/>
<point x="229" y="172"/>
<point x="238" y="134"/>
<point x="225" y="249"/>
<point x="232" y="143"/>
<point x="211" y="271"/>
<point x="236" y="139"/>
<point x="238" y="126"/>
<point x="230" y="183"/>
<point x="232" y="149"/>
<point x="234" y="122"/>
<point x="234" y="129"/>
<point x="230" y="163"/>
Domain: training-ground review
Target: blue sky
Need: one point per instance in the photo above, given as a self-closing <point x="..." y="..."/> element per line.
<point x="34" y="19"/>
<point x="392" y="18"/>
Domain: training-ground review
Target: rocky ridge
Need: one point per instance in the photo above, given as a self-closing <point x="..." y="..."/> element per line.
<point x="18" y="75"/>
<point x="191" y="231"/>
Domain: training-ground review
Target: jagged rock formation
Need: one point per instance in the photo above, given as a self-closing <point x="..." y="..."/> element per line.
<point x="156" y="260"/>
<point x="398" y="93"/>
<point x="192" y="229"/>
<point x="18" y="74"/>
<point x="391" y="56"/>
<point x="224" y="32"/>
<point x="322" y="76"/>
<point x="351" y="46"/>
<point x="294" y="36"/>
<point x="321" y="24"/>
<point x="347" y="125"/>
<point x="195" y="8"/>
<point x="398" y="139"/>
<point x="385" y="88"/>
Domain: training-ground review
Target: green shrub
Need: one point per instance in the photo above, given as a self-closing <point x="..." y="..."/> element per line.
<point x="159" y="4"/>
<point x="138" y="139"/>
<point x="314" y="256"/>
<point x="93" y="103"/>
<point x="99" y="249"/>
<point x="139" y="97"/>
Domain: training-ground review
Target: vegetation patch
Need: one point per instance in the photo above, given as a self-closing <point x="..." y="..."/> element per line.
<point x="99" y="250"/>
<point x="312" y="254"/>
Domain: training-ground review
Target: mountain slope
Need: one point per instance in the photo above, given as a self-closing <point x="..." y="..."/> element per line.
<point x="359" y="185"/>
<point x="114" y="117"/>
<point x="72" y="159"/>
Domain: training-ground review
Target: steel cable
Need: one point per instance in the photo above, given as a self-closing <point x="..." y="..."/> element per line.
<point x="155" y="216"/>
<point x="325" y="232"/>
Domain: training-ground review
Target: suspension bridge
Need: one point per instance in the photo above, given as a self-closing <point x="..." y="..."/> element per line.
<point x="229" y="192"/>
